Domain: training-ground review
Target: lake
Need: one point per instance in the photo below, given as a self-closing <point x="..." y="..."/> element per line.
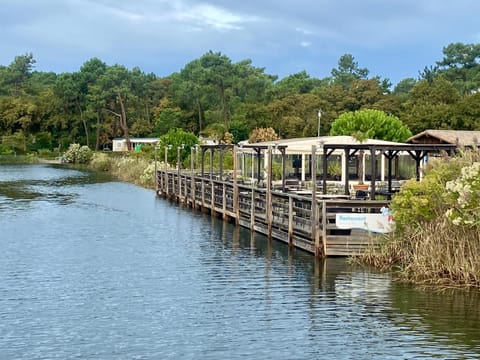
<point x="92" y="268"/>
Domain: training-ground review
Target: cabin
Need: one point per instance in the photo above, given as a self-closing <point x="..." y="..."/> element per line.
<point x="120" y="144"/>
<point x="452" y="137"/>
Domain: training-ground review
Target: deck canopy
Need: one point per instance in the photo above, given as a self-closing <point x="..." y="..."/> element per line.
<point x="298" y="146"/>
<point x="345" y="146"/>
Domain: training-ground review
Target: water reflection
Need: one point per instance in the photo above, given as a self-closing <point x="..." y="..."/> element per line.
<point x="20" y="185"/>
<point x="100" y="270"/>
<point x="450" y="317"/>
<point x="404" y="321"/>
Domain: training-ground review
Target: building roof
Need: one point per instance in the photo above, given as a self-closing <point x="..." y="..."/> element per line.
<point x="139" y="140"/>
<point x="454" y="137"/>
<point x="304" y="145"/>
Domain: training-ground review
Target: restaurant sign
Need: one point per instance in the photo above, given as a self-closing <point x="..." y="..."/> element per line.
<point x="378" y="223"/>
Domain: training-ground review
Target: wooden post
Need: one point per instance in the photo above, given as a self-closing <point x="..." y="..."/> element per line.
<point x="179" y="183"/>
<point x="314" y="214"/>
<point x="192" y="178"/>
<point x="236" y="209"/>
<point x="212" y="197"/>
<point x="185" y="199"/>
<point x="316" y="231"/>
<point x="268" y="199"/>
<point x="224" y="201"/>
<point x="203" y="194"/>
<point x="373" y="170"/>
<point x="324" y="227"/>
<point x="156" y="170"/>
<point x="166" y="171"/>
<point x="290" y="221"/>
<point x="252" y="209"/>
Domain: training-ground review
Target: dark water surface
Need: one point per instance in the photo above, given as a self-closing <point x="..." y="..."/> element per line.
<point x="94" y="269"/>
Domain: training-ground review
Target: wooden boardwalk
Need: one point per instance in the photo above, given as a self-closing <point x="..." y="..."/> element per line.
<point x="292" y="218"/>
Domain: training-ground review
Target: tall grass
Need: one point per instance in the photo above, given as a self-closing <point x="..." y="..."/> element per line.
<point x="18" y="159"/>
<point x="130" y="168"/>
<point x="436" y="254"/>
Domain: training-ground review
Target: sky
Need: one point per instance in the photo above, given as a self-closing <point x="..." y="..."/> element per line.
<point x="393" y="39"/>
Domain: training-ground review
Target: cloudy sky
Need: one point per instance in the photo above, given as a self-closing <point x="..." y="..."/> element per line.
<point x="392" y="38"/>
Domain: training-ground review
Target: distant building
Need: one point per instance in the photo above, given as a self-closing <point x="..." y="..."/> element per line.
<point x="120" y="144"/>
<point x="453" y="137"/>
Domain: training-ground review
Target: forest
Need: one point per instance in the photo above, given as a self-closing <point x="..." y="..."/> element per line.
<point x="215" y="97"/>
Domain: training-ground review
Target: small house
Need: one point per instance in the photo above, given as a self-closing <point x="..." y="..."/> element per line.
<point x="120" y="144"/>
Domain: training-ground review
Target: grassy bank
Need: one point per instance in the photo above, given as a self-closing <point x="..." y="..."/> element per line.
<point x="436" y="240"/>
<point x="18" y="159"/>
<point x="132" y="168"/>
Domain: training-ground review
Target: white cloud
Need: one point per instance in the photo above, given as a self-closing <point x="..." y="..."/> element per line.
<point x="212" y="16"/>
<point x="305" y="43"/>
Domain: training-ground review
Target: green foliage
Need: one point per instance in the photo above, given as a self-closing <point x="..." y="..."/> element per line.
<point x="100" y="162"/>
<point x="463" y="193"/>
<point x="77" y="154"/>
<point x="422" y="201"/>
<point x="100" y="102"/>
<point x="177" y="140"/>
<point x="370" y="124"/>
<point x="167" y="119"/>
<point x="348" y="71"/>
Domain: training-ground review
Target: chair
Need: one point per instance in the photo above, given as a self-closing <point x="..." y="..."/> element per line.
<point x="362" y="194"/>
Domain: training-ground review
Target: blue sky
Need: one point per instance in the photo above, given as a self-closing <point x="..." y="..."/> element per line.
<point x="394" y="39"/>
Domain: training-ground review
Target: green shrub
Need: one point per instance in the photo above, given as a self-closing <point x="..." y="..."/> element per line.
<point x="100" y="162"/>
<point x="78" y="154"/>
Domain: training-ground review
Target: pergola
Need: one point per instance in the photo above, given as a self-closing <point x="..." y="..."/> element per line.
<point x="326" y="146"/>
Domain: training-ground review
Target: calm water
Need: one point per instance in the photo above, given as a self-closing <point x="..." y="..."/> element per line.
<point x="94" y="269"/>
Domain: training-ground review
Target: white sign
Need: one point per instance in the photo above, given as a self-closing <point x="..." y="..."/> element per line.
<point x="379" y="223"/>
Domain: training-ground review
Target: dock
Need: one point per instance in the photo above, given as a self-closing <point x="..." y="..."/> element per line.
<point x="296" y="218"/>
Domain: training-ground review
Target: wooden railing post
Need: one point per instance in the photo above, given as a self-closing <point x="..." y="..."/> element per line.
<point x="252" y="209"/>
<point x="224" y="201"/>
<point x="203" y="194"/>
<point x="290" y="221"/>
<point x="236" y="209"/>
<point x="268" y="199"/>
<point x="314" y="207"/>
<point x="324" y="228"/>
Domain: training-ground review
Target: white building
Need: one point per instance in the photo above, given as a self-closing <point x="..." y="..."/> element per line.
<point x="120" y="144"/>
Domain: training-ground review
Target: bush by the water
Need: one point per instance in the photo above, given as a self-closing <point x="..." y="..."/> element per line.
<point x="437" y="225"/>
<point x="136" y="168"/>
<point x="77" y="154"/>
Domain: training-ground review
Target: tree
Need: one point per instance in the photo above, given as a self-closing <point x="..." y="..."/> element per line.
<point x="298" y="83"/>
<point x="177" y="139"/>
<point x="431" y="105"/>
<point x="371" y="124"/>
<point x="262" y="134"/>
<point x="348" y="71"/>
<point x="18" y="73"/>
<point x="461" y="66"/>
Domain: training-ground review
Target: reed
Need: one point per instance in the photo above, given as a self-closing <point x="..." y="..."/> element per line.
<point x="436" y="254"/>
<point x="129" y="168"/>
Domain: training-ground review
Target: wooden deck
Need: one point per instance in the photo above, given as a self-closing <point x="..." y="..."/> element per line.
<point x="287" y="217"/>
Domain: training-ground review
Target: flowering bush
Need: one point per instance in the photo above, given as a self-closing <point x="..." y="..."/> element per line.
<point x="78" y="154"/>
<point x="463" y="194"/>
<point x="422" y="201"/>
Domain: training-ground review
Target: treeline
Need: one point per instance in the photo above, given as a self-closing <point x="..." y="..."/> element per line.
<point x="213" y="96"/>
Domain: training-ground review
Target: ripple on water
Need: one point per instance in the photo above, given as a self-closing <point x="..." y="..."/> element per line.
<point x="106" y="271"/>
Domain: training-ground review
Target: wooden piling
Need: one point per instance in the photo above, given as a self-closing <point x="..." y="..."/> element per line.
<point x="290" y="221"/>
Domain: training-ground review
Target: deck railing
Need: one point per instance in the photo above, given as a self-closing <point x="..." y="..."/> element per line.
<point x="293" y="218"/>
